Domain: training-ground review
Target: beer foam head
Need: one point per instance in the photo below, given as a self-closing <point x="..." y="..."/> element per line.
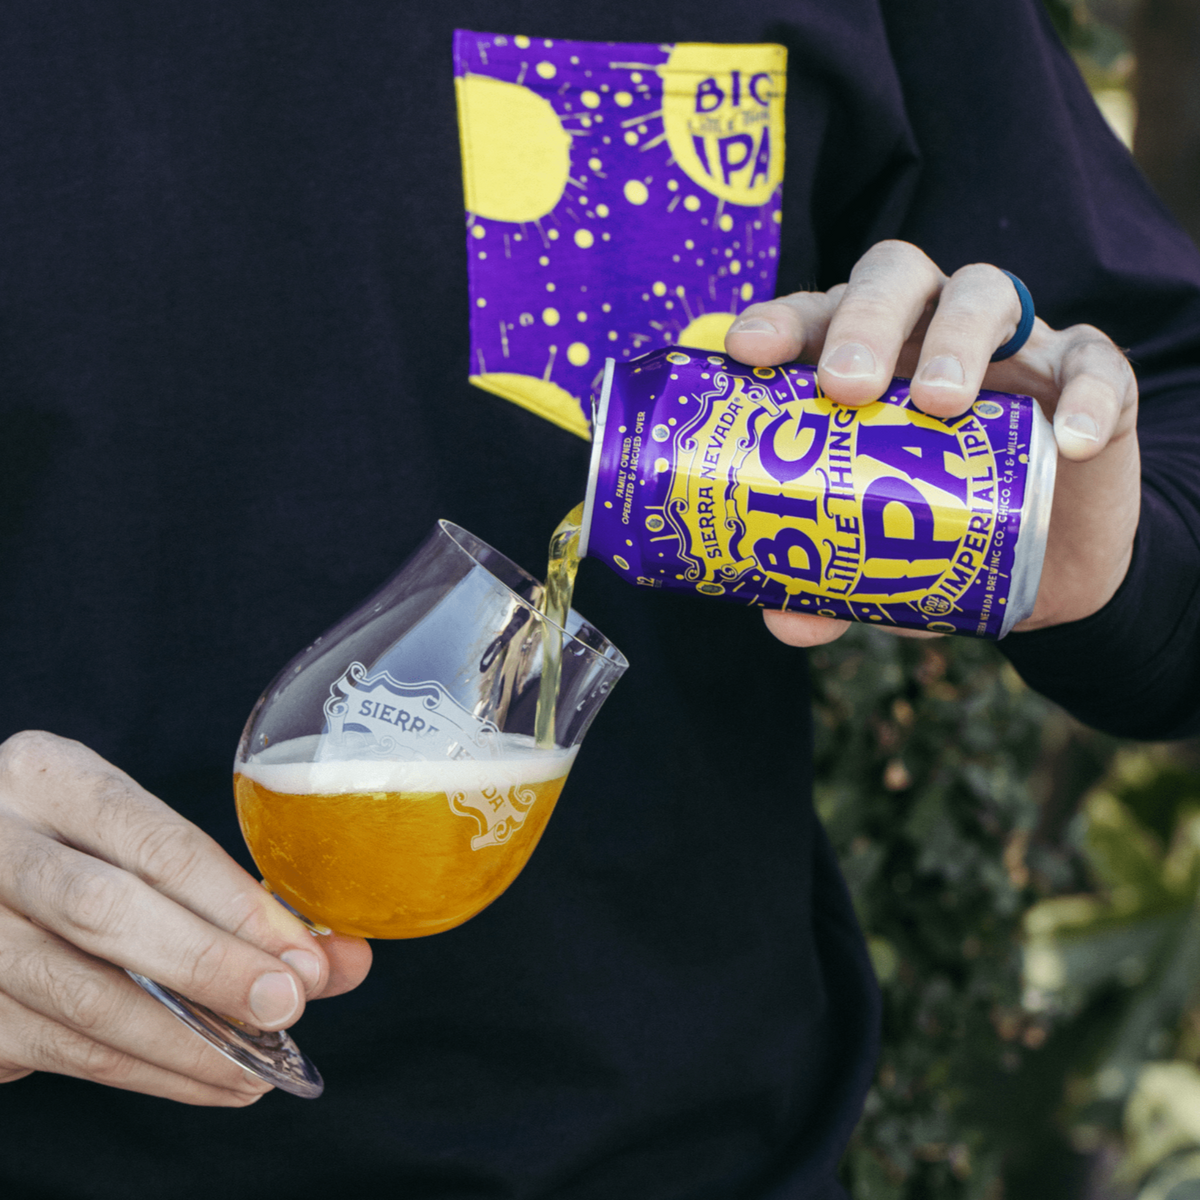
<point x="288" y="768"/>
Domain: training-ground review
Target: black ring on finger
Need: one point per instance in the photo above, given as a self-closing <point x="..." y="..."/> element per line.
<point x="1024" y="325"/>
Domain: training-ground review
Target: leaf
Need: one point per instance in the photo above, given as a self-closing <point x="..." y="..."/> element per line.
<point x="1162" y="1116"/>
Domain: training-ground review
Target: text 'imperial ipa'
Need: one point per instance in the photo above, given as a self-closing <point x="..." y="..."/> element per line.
<point x="388" y="849"/>
<point x="750" y="485"/>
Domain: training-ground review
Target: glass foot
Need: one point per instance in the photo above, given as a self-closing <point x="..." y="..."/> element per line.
<point x="314" y="927"/>
<point x="271" y="1056"/>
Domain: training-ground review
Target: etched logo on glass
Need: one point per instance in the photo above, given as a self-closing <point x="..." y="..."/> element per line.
<point x="379" y="716"/>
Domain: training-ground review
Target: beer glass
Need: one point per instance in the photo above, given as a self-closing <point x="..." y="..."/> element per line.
<point x="388" y="781"/>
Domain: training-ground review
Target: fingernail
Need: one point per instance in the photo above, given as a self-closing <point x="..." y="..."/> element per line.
<point x="1082" y="426"/>
<point x="306" y="964"/>
<point x="752" y="325"/>
<point x="274" y="998"/>
<point x="945" y="371"/>
<point x="850" y="361"/>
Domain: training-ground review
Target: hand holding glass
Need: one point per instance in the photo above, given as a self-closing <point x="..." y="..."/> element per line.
<point x="388" y="782"/>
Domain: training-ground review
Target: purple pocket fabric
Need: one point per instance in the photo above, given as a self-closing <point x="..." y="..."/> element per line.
<point x="620" y="197"/>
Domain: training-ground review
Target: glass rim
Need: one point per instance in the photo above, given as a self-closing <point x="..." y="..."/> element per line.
<point x="463" y="537"/>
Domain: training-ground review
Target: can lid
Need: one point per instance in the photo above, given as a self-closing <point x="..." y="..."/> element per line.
<point x="1029" y="554"/>
<point x="599" y="417"/>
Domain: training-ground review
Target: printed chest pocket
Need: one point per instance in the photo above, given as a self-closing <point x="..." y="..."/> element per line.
<point x="620" y="197"/>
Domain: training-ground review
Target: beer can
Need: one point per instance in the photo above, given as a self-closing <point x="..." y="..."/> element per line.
<point x="748" y="484"/>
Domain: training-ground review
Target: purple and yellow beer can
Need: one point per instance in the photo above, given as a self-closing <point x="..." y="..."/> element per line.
<point x="749" y="484"/>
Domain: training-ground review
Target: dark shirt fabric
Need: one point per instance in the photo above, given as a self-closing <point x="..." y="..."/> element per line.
<point x="233" y="361"/>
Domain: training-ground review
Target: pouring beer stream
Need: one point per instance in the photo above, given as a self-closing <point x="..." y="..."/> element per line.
<point x="385" y="793"/>
<point x="556" y="604"/>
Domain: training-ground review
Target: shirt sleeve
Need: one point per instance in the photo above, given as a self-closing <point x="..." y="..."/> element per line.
<point x="1018" y="168"/>
<point x="1133" y="668"/>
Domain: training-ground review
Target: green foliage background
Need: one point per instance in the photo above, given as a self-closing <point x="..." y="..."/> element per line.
<point x="923" y="752"/>
<point x="951" y="793"/>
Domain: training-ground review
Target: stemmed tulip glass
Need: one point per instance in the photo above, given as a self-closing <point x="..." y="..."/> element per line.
<point x="388" y="781"/>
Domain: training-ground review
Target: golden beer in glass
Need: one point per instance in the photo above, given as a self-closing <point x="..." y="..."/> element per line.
<point x="401" y="849"/>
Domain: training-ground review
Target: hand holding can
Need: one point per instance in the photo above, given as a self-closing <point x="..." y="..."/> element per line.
<point x="900" y="314"/>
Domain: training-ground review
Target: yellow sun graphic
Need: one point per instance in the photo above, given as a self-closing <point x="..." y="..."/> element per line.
<point x="518" y="152"/>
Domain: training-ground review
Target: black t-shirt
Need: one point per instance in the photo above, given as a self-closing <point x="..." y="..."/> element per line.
<point x="233" y="396"/>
